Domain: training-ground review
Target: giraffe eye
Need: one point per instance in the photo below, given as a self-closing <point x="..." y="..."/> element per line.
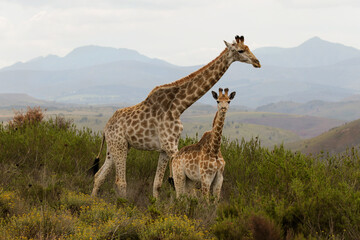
<point x="217" y="101"/>
<point x="241" y="51"/>
<point x="228" y="101"/>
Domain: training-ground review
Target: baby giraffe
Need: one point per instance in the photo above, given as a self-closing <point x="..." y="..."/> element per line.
<point x="203" y="161"/>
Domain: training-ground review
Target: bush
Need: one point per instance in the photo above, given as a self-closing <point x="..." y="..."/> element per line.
<point x="174" y="227"/>
<point x="10" y="204"/>
<point x="39" y="224"/>
<point x="32" y="116"/>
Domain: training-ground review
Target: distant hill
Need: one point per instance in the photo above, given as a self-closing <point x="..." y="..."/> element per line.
<point x="314" y="70"/>
<point x="344" y="110"/>
<point x="19" y="99"/>
<point x="335" y="140"/>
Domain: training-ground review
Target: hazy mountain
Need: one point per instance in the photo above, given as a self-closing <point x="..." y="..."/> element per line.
<point x="315" y="70"/>
<point x="312" y="53"/>
<point x="82" y="57"/>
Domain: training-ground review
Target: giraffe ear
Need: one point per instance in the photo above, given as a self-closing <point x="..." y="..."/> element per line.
<point x="228" y="45"/>
<point x="232" y="95"/>
<point x="215" y="96"/>
<point x="242" y="39"/>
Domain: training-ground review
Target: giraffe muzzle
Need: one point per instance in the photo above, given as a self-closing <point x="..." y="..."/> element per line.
<point x="256" y="63"/>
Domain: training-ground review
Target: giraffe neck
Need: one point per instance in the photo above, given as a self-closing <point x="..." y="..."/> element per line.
<point x="198" y="83"/>
<point x="216" y="133"/>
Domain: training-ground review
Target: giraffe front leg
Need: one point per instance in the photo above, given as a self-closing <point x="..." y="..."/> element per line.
<point x="101" y="175"/>
<point x="160" y="171"/>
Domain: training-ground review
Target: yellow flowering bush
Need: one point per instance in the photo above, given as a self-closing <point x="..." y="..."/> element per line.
<point x="7" y="203"/>
<point x="174" y="227"/>
<point x="75" y="202"/>
<point x="40" y="224"/>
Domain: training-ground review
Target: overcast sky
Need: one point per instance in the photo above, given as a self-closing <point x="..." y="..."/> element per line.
<point x="181" y="32"/>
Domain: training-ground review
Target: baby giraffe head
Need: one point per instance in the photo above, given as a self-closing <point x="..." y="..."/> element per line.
<point x="223" y="100"/>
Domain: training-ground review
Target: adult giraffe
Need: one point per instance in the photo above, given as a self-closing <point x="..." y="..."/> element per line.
<point x="154" y="124"/>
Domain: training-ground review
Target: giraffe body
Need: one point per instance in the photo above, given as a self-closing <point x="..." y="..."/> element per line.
<point x="154" y="124"/>
<point x="202" y="162"/>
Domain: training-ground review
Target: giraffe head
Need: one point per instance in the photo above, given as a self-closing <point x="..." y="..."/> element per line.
<point x="240" y="52"/>
<point x="223" y="100"/>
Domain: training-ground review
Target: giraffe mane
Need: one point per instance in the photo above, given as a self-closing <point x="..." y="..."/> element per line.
<point x="215" y="118"/>
<point x="188" y="77"/>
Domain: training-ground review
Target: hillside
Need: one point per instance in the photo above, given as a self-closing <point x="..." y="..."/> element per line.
<point x="348" y="109"/>
<point x="314" y="70"/>
<point x="336" y="140"/>
<point x="19" y="99"/>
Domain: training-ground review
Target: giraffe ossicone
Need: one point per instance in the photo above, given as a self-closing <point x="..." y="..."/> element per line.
<point x="154" y="124"/>
<point x="203" y="162"/>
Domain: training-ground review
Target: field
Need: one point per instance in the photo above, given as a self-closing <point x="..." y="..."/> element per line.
<point x="268" y="193"/>
<point x="271" y="128"/>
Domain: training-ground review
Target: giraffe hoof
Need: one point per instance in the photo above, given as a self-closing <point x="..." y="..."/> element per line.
<point x="171" y="181"/>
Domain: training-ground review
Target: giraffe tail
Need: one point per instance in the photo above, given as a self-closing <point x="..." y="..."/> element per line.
<point x="95" y="167"/>
<point x="171" y="181"/>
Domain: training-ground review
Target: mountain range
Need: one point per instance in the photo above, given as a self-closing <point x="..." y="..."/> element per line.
<point x="315" y="70"/>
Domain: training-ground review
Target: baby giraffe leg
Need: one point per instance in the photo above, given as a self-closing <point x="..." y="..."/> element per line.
<point x="179" y="181"/>
<point x="217" y="185"/>
<point x="205" y="187"/>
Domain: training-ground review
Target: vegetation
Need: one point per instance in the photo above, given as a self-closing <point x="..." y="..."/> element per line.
<point x="267" y="193"/>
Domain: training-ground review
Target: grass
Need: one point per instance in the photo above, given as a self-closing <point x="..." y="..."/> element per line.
<point x="268" y="193"/>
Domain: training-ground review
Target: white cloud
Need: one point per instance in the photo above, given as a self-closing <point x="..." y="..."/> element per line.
<point x="38" y="16"/>
<point x="320" y="3"/>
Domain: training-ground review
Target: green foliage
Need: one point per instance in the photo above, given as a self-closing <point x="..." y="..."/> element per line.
<point x="300" y="193"/>
<point x="45" y="183"/>
<point x="39" y="160"/>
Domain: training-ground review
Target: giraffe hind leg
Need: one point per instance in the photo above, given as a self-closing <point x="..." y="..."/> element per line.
<point x="120" y="167"/>
<point x="101" y="175"/>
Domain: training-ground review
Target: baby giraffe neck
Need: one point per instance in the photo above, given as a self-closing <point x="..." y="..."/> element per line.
<point x="216" y="133"/>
